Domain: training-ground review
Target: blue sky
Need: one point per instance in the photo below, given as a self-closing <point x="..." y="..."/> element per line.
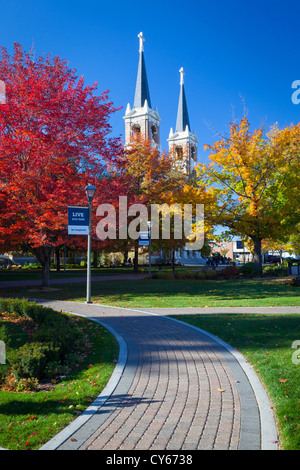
<point x="229" y="49"/>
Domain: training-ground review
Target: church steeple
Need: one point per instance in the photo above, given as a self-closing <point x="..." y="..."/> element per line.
<point x="142" y="119"/>
<point x="142" y="89"/>
<point x="182" y="113"/>
<point x="183" y="142"/>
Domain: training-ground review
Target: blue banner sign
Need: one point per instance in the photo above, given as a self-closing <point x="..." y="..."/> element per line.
<point x="78" y="220"/>
<point x="144" y="238"/>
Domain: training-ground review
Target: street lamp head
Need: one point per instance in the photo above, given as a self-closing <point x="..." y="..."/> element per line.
<point x="90" y="192"/>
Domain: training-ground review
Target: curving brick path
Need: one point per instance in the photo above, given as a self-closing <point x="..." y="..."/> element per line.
<point x="178" y="389"/>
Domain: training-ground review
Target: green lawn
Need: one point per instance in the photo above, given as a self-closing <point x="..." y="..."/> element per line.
<point x="30" y="419"/>
<point x="172" y="293"/>
<point x="266" y="341"/>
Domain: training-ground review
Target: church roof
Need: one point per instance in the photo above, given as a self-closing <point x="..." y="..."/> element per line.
<point x="182" y="112"/>
<point x="142" y="89"/>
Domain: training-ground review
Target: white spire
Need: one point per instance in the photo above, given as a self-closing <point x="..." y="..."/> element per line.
<point x="181" y="76"/>
<point x="142" y="39"/>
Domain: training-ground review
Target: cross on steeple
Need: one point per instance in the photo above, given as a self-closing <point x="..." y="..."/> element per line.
<point x="142" y="40"/>
<point x="181" y="76"/>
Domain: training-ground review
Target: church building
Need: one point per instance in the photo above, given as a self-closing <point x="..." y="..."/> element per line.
<point x="143" y="119"/>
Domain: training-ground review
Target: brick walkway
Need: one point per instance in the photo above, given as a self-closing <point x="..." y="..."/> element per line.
<point x="179" y="390"/>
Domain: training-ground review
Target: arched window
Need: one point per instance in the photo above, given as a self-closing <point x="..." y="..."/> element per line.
<point x="179" y="152"/>
<point x="136" y="130"/>
<point x="154" y="134"/>
<point x="193" y="153"/>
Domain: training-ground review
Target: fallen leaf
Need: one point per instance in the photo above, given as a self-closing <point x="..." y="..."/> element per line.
<point x="221" y="390"/>
<point x="283" y="381"/>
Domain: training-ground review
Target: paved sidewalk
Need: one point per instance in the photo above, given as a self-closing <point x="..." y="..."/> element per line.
<point x="175" y="388"/>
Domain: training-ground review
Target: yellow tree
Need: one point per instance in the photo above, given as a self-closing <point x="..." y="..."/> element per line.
<point x="255" y="178"/>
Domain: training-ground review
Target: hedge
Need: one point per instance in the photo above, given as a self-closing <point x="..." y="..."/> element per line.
<point x="55" y="337"/>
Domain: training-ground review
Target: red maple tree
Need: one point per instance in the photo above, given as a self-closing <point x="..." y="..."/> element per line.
<point x="54" y="140"/>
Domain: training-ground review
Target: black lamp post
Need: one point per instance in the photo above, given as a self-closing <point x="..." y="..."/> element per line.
<point x="90" y="192"/>
<point x="149" y="226"/>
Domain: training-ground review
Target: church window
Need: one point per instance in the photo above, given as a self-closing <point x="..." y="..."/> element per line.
<point x="179" y="152"/>
<point x="153" y="132"/>
<point x="136" y="130"/>
<point x="193" y="153"/>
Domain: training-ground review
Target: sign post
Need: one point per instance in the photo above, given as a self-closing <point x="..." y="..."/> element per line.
<point x="145" y="239"/>
<point x="149" y="225"/>
<point x="79" y="223"/>
<point x="90" y="192"/>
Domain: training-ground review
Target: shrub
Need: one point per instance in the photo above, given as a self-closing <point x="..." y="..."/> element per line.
<point x="27" y="385"/>
<point x="200" y="275"/>
<point x="28" y="361"/>
<point x="230" y="272"/>
<point x="65" y="338"/>
<point x="54" y="369"/>
<point x="2" y="375"/>
<point x="48" y="348"/>
<point x="295" y="281"/>
<point x="185" y="275"/>
<point x="164" y="275"/>
<point x="249" y="270"/>
<point x="4" y="335"/>
<point x="14" y="306"/>
<point x="22" y="308"/>
<point x="45" y="315"/>
<point x="275" y="270"/>
<point x="211" y="274"/>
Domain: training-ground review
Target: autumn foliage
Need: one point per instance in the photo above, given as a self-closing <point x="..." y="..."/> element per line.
<point x="54" y="135"/>
<point x="255" y="176"/>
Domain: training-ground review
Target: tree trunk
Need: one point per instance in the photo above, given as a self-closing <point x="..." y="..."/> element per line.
<point x="57" y="252"/>
<point x="257" y="253"/>
<point x="136" y="257"/>
<point x="95" y="259"/>
<point x="43" y="254"/>
<point x="125" y="260"/>
<point x="173" y="259"/>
